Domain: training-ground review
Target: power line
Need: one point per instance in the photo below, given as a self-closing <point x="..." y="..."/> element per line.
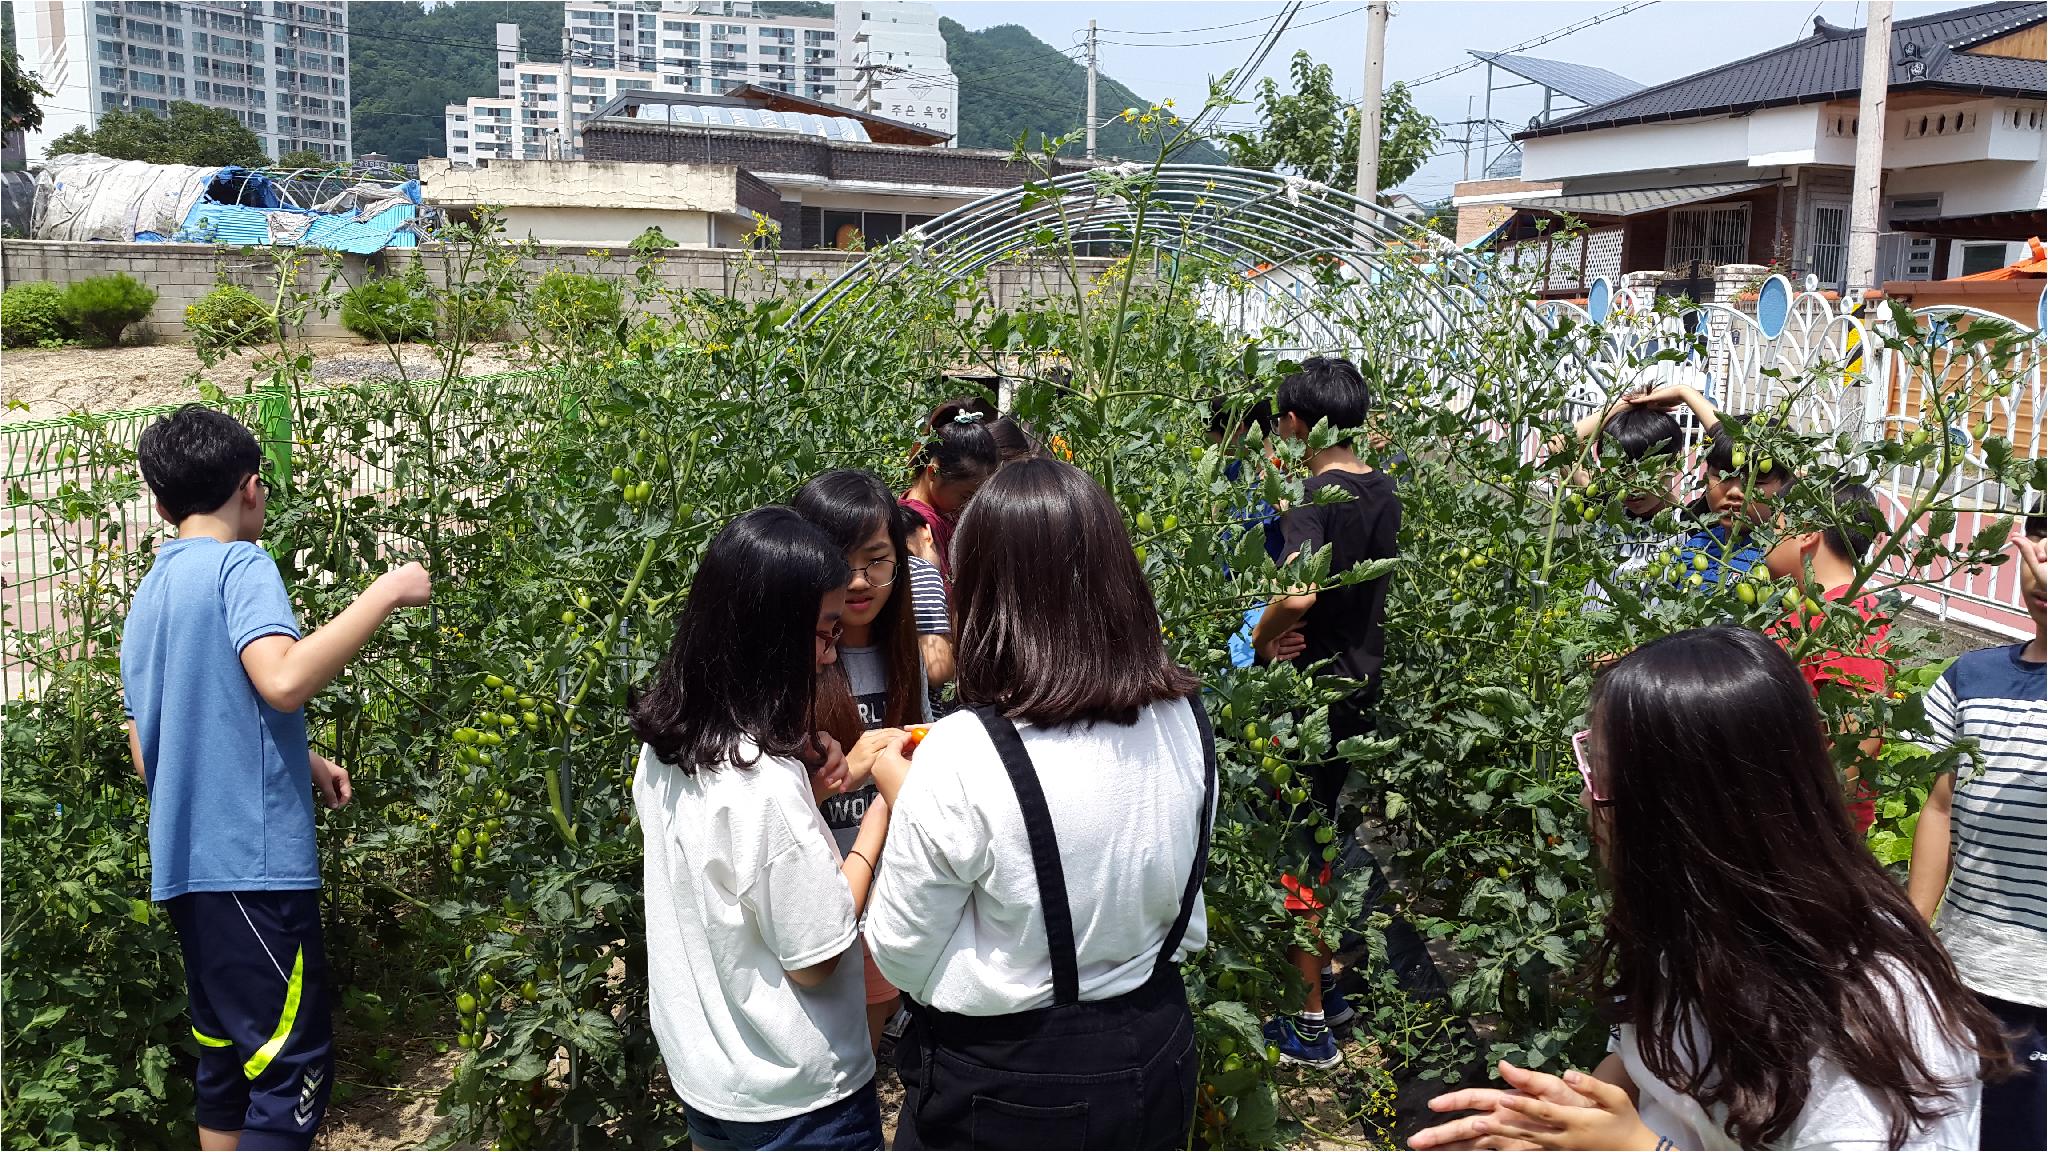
<point x="1190" y="31"/>
<point x="1546" y="38"/>
<point x="1236" y="39"/>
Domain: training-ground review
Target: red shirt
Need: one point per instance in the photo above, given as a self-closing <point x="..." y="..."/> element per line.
<point x="1865" y="669"/>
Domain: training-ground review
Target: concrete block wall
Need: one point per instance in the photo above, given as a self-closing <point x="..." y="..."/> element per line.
<point x="182" y="273"/>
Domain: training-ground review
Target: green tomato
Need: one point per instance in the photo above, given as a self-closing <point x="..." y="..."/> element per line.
<point x="1325" y="834"/>
<point x="1272" y="1054"/>
<point x="501" y="798"/>
<point x="1738" y="458"/>
<point x="1229" y="713"/>
<point x="1329" y="853"/>
<point x="508" y="693"/>
<point x="491" y="739"/>
<point x="483" y="840"/>
<point x="1700" y="562"/>
<point x="1764" y="465"/>
<point x="463" y="837"/>
<point x="465" y="1003"/>
<point x="619" y="476"/>
<point x="1251" y="733"/>
<point x="529" y="991"/>
<point x="1282" y="774"/>
<point x="464" y="1040"/>
<point x="1140" y="550"/>
<point x="1232" y="1063"/>
<point x="1170" y="523"/>
<point x="1696" y="580"/>
<point x="530" y="719"/>
<point x="486" y="983"/>
<point x="1144" y="521"/>
<point x="465" y="735"/>
<point x="1746" y="592"/>
<point x="568" y="617"/>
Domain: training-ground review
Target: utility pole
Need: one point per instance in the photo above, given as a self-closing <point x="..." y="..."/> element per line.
<point x="1877" y="74"/>
<point x="1369" y="106"/>
<point x="571" y="141"/>
<point x="1467" y="141"/>
<point x="1090" y="121"/>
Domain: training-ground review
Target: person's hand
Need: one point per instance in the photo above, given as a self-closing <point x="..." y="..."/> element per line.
<point x="408" y="586"/>
<point x="1664" y="399"/>
<point x="891" y="765"/>
<point x="828" y="766"/>
<point x="332" y="781"/>
<point x="1284" y="647"/>
<point x="1606" y="1119"/>
<point x="860" y="760"/>
<point x="1488" y="1104"/>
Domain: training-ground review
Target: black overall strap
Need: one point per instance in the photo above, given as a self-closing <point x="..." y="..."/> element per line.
<point x="1045" y="853"/>
<point x="1200" y="871"/>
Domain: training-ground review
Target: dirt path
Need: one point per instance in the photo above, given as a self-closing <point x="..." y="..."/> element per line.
<point x="389" y="1117"/>
<point x="41" y="383"/>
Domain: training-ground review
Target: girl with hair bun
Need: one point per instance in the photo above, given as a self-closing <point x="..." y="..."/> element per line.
<point x="958" y="455"/>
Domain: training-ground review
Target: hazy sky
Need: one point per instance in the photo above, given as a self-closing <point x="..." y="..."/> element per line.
<point x="1662" y="42"/>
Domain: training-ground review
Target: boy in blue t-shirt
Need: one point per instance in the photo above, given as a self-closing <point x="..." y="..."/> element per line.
<point x="216" y="677"/>
<point x="1738" y="492"/>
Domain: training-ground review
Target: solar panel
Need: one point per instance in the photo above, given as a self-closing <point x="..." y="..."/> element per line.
<point x="1582" y="82"/>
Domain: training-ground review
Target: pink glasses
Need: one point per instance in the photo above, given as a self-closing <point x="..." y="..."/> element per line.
<point x="1586" y="768"/>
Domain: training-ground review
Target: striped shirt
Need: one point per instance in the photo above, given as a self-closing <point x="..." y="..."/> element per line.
<point x="928" y="598"/>
<point x="1994" y="915"/>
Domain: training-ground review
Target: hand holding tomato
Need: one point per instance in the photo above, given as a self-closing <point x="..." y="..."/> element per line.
<point x="891" y="765"/>
<point x="860" y="760"/>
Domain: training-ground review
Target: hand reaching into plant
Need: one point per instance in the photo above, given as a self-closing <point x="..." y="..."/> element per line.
<point x="332" y="781"/>
<point x="1539" y="1110"/>
<point x="408" y="586"/>
<point x="1671" y="396"/>
<point x="1285" y="647"/>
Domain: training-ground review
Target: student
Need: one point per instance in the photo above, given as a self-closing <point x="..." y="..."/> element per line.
<point x="1044" y="880"/>
<point x="957" y="457"/>
<point x="1345" y="626"/>
<point x="1773" y="988"/>
<point x="1639" y="427"/>
<point x="879" y="666"/>
<point x="1979" y="847"/>
<point x="1827" y="557"/>
<point x="751" y="910"/>
<point x="216" y="678"/>
<point x="1014" y="440"/>
<point x="1739" y="486"/>
<point x="933" y="614"/>
<point x="1253" y="513"/>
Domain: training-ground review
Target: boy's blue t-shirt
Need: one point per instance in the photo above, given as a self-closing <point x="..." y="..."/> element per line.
<point x="1712" y="542"/>
<point x="230" y="787"/>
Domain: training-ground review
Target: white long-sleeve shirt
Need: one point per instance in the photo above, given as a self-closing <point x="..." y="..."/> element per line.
<point x="955" y="919"/>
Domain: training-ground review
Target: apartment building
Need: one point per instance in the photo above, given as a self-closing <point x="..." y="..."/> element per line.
<point x="610" y="47"/>
<point x="279" y="66"/>
<point x="897" y="64"/>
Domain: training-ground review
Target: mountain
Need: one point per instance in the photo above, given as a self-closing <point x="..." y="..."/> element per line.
<point x="406" y="64"/>
<point x="1012" y="82"/>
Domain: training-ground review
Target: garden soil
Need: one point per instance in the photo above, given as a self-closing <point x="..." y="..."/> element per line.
<point x="42" y="383"/>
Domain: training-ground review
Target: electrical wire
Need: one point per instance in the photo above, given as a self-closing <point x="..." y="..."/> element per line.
<point x="1234" y="39"/>
<point x="1547" y="37"/>
<point x="1191" y="31"/>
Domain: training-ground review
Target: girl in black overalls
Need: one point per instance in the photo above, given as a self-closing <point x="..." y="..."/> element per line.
<point x="1076" y="1031"/>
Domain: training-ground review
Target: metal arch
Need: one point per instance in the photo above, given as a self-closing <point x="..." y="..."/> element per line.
<point x="1295" y="214"/>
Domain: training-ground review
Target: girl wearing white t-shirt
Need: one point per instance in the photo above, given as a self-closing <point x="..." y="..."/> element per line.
<point x="751" y="910"/>
<point x="1044" y="880"/>
<point x="1773" y="986"/>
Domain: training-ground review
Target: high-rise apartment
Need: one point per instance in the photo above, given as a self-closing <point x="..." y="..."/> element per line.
<point x="897" y="66"/>
<point x="280" y="66"/>
<point x="612" y="46"/>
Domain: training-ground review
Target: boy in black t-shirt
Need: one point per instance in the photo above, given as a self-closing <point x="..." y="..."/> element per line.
<point x="1344" y="624"/>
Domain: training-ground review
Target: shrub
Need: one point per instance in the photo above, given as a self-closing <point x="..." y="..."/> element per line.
<point x="102" y="307"/>
<point x="573" y="310"/>
<point x="32" y="316"/>
<point x="228" y="318"/>
<point x="474" y="316"/>
<point x="389" y="310"/>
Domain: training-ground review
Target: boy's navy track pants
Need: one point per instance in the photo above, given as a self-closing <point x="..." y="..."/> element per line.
<point x="256" y="971"/>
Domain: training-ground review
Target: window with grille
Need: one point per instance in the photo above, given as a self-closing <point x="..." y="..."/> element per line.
<point x="1713" y="235"/>
<point x="1828" y="243"/>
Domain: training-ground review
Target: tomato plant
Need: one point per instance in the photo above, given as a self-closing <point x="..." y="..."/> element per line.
<point x="485" y="885"/>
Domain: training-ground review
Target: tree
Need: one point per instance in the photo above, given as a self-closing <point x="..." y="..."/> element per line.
<point x="303" y="158"/>
<point x="191" y="134"/>
<point x="19" y="111"/>
<point x="1313" y="134"/>
<point x="407" y="64"/>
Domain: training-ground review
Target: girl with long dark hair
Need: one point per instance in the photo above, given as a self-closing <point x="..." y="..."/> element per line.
<point x="1045" y="879"/>
<point x="958" y="456"/>
<point x="879" y="674"/>
<point x="1774" y="987"/>
<point x="750" y="908"/>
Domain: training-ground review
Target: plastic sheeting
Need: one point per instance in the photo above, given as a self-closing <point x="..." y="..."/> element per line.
<point x="87" y="197"/>
<point x="17" y="202"/>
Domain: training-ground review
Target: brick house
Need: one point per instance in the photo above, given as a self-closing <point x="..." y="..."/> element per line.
<point x="1750" y="163"/>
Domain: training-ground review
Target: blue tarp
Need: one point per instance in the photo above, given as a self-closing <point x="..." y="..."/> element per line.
<point x="387" y="223"/>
